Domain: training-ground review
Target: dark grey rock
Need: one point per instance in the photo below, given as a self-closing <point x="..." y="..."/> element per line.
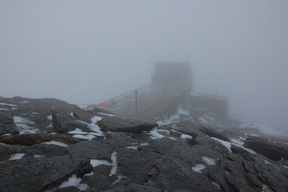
<point x="123" y="125"/>
<point x="7" y="124"/>
<point x="64" y="123"/>
<point x="68" y="189"/>
<point x="90" y="150"/>
<point x="46" y="150"/>
<point x="82" y="115"/>
<point x="211" y="143"/>
<point x="265" y="147"/>
<point x="31" y="139"/>
<point x="5" y="153"/>
<point x="118" y="139"/>
<point x="36" y="174"/>
<point x="214" y="133"/>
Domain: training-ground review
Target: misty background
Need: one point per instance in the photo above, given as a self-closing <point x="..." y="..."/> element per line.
<point x="86" y="52"/>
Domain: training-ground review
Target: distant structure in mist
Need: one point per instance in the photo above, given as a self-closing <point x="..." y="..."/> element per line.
<point x="178" y="73"/>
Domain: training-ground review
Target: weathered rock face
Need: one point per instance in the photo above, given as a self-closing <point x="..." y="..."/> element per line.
<point x="36" y="174"/>
<point x="130" y="155"/>
<point x="123" y="125"/>
<point x="7" y="124"/>
<point x="268" y="149"/>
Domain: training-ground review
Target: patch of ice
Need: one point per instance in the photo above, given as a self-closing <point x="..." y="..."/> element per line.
<point x="227" y="144"/>
<point x="198" y="168"/>
<point x="96" y="162"/>
<point x="38" y="156"/>
<point x="114" y="163"/>
<point x="236" y="141"/>
<point x="265" y="188"/>
<point x="74" y="181"/>
<point x="155" y="134"/>
<point x="132" y="147"/>
<point x="16" y="156"/>
<point x="209" y="161"/>
<point x="184" y="136"/>
<point x="110" y="115"/>
<point x="88" y="137"/>
<point x="216" y="185"/>
<point x="55" y="143"/>
<point x="23" y="125"/>
<point x="49" y="117"/>
<point x="119" y="177"/>
<point x="182" y="112"/>
<point x="11" y="105"/>
<point x="144" y="144"/>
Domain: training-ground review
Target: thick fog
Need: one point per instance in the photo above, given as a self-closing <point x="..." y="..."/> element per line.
<point x="87" y="52"/>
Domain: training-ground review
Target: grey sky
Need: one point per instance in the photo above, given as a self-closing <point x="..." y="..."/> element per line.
<point x="90" y="51"/>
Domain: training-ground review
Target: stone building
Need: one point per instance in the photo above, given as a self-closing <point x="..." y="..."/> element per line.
<point x="178" y="73"/>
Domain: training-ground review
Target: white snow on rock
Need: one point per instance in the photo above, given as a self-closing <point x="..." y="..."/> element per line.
<point x="96" y="162"/>
<point x="7" y="104"/>
<point x="227" y="144"/>
<point x="49" y="117"/>
<point x="209" y="161"/>
<point x="198" y="168"/>
<point x="23" y="125"/>
<point x="38" y="156"/>
<point x="106" y="114"/>
<point x="16" y="156"/>
<point x="132" y="147"/>
<point x="55" y="143"/>
<point x="155" y="135"/>
<point x="184" y="136"/>
<point x="88" y="137"/>
<point x="74" y="181"/>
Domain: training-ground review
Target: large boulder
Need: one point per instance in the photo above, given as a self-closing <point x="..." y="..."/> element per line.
<point x="123" y="125"/>
<point x="7" y="124"/>
<point x="39" y="174"/>
<point x="64" y="123"/>
<point x="265" y="147"/>
<point x="31" y="139"/>
<point x="91" y="150"/>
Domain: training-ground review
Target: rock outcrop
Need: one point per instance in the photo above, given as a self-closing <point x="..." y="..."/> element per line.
<point x="59" y="147"/>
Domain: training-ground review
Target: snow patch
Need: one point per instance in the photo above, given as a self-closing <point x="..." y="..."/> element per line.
<point x="198" y="168"/>
<point x="74" y="181"/>
<point x="110" y="115"/>
<point x="49" y="117"/>
<point x="132" y="147"/>
<point x="11" y="105"/>
<point x="88" y="137"/>
<point x="38" y="156"/>
<point x="96" y="162"/>
<point x="55" y="143"/>
<point x="144" y="144"/>
<point x="114" y="163"/>
<point x="227" y="144"/>
<point x="16" y="156"/>
<point x="23" y="125"/>
<point x="155" y="134"/>
<point x="209" y="161"/>
<point x="184" y="136"/>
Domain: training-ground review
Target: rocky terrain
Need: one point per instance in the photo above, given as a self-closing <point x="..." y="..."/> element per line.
<point x="50" y="145"/>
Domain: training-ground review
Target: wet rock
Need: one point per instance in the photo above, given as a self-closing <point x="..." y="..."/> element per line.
<point x="211" y="143"/>
<point x="46" y="150"/>
<point x="135" y="165"/>
<point x="5" y="153"/>
<point x="90" y="150"/>
<point x="32" y="139"/>
<point x="214" y="133"/>
<point x="36" y="174"/>
<point x="123" y="125"/>
<point x="64" y="123"/>
<point x="7" y="125"/>
<point x="82" y="115"/>
<point x="118" y="139"/>
<point x="265" y="147"/>
<point x="175" y="170"/>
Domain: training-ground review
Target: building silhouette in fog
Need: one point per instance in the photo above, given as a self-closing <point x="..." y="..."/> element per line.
<point x="178" y="73"/>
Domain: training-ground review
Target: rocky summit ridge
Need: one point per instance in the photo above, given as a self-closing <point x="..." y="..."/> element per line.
<point x="51" y="145"/>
